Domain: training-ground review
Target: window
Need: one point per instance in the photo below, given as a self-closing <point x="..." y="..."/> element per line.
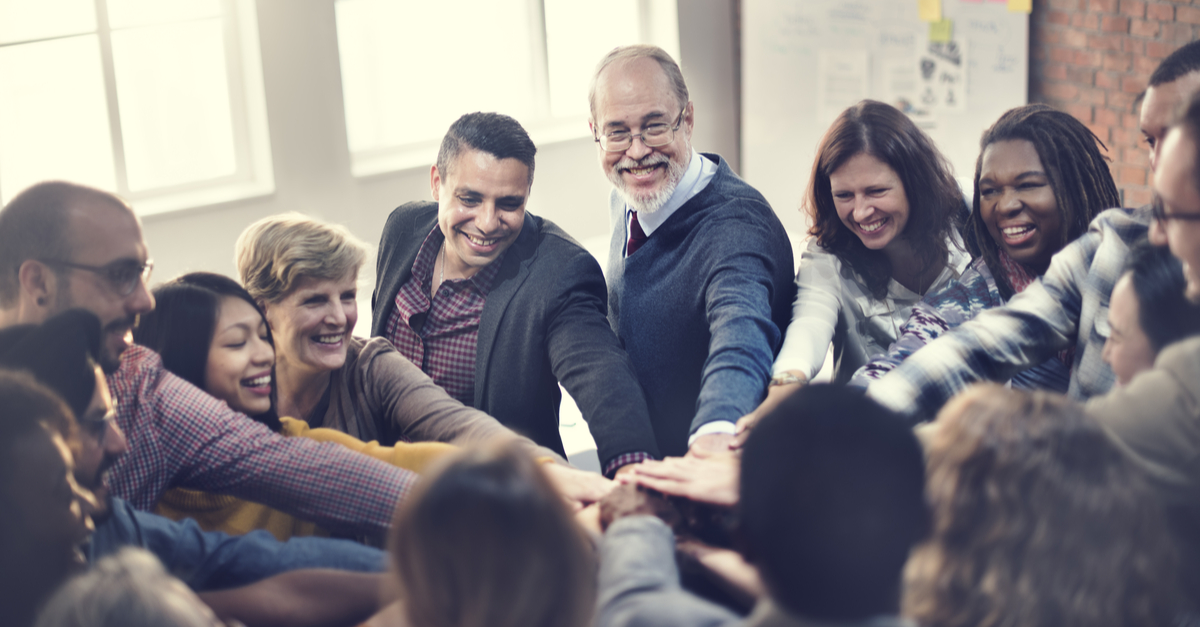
<point x="410" y="69"/>
<point x="159" y="102"/>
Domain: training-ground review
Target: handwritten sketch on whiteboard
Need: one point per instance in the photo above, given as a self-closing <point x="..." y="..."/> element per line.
<point x="789" y="73"/>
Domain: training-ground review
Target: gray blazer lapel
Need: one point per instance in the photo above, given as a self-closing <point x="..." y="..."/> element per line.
<point x="513" y="272"/>
<point x="615" y="274"/>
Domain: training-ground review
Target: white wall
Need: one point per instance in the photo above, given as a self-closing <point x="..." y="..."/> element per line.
<point x="312" y="162"/>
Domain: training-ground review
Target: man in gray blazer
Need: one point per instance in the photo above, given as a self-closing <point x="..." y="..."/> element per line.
<point x="499" y="306"/>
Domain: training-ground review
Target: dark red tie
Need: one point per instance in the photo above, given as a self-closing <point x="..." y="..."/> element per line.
<point x="637" y="236"/>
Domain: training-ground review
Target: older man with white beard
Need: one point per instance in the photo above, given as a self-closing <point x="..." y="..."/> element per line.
<point x="700" y="268"/>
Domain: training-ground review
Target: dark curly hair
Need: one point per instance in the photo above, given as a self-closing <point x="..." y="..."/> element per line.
<point x="1078" y="173"/>
<point x="1039" y="520"/>
<point x="935" y="204"/>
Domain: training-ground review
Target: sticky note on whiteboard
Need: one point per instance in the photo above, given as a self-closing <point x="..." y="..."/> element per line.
<point x="1020" y="6"/>
<point x="941" y="30"/>
<point x="929" y="10"/>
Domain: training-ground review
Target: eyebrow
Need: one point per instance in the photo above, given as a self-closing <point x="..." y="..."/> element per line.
<point x="649" y="117"/>
<point x="463" y="190"/>
<point x="1023" y="175"/>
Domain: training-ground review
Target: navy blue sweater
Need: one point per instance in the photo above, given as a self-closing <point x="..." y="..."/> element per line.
<point x="701" y="306"/>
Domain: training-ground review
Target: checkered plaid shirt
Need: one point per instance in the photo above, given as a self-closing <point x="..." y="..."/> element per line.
<point x="180" y="436"/>
<point x="1066" y="308"/>
<point x="445" y="347"/>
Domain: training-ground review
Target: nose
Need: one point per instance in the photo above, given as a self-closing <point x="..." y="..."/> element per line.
<point x="336" y="316"/>
<point x="1106" y="352"/>
<point x="486" y="219"/>
<point x="863" y="208"/>
<point x="140" y="301"/>
<point x="638" y="148"/>
<point x="1158" y="233"/>
<point x="264" y="353"/>
<point x="115" y="444"/>
<point x="1010" y="201"/>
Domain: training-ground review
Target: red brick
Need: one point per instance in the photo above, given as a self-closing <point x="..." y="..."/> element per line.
<point x="1189" y="15"/>
<point x="1177" y="33"/>
<point x="1143" y="66"/>
<point x="1091" y="21"/>
<point x="1061" y="91"/>
<point x="1137" y="157"/>
<point x="1110" y="24"/>
<point x="1062" y="55"/>
<point x="1134" y="46"/>
<point x="1133" y="8"/>
<point x="1119" y="100"/>
<point x="1124" y="137"/>
<point x="1160" y="11"/>
<point x="1133" y="84"/>
<point x="1070" y="6"/>
<point x="1083" y="113"/>
<point x="1158" y="50"/>
<point x="1062" y="18"/>
<point x="1131" y="175"/>
<point x="1142" y="28"/>
<point x="1081" y="75"/>
<point x="1075" y="38"/>
<point x="1103" y="6"/>
<point x="1054" y="71"/>
<point x="1137" y="196"/>
<point x="1104" y="42"/>
<point x="1107" y="117"/>
<point x="1089" y="58"/>
<point x="1130" y="121"/>
<point x="1118" y="61"/>
<point x="1107" y="80"/>
<point x="1100" y="130"/>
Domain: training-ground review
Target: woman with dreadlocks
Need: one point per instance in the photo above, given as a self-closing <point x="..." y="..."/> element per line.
<point x="1040" y="179"/>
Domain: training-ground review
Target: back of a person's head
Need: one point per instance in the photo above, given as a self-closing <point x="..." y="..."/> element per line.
<point x="128" y="589"/>
<point x="1184" y="60"/>
<point x="1039" y="520"/>
<point x="61" y="353"/>
<point x="485" y="541"/>
<point x="832" y="500"/>
<point x="1164" y="312"/>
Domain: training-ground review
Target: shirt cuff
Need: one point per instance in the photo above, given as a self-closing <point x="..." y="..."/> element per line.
<point x="716" y="426"/>
<point x="625" y="459"/>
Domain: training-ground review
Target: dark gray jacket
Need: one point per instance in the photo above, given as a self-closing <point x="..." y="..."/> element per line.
<point x="544" y="323"/>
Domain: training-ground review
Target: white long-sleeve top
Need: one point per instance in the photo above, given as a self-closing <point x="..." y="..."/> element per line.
<point x="834" y="305"/>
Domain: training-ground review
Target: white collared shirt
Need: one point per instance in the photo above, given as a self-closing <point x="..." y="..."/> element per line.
<point x="699" y="174"/>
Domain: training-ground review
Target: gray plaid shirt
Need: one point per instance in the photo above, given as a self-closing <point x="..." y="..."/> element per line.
<point x="1067" y="307"/>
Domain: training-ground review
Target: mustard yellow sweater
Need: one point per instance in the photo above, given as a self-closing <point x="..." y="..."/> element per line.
<point x="217" y="512"/>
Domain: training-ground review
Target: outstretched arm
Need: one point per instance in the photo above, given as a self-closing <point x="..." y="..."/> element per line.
<point x="301" y="598"/>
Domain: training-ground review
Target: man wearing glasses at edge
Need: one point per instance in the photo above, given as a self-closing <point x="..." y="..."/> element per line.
<point x="64" y="245"/>
<point x="699" y="269"/>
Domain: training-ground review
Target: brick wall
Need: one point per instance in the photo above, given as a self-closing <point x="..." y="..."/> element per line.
<point x="1091" y="58"/>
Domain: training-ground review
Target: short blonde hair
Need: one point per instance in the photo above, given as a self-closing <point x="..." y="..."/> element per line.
<point x="276" y="252"/>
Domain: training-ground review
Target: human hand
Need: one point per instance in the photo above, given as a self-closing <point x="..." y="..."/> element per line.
<point x="727" y="568"/>
<point x="710" y="444"/>
<point x="578" y="487"/>
<point x="775" y="396"/>
<point x="712" y="480"/>
<point x="589" y="519"/>
<point x="632" y="500"/>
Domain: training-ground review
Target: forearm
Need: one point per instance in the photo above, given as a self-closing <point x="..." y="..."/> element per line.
<point x="301" y="598"/>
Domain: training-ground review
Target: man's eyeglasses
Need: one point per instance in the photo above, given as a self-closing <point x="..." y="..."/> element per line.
<point x="98" y="427"/>
<point x="1159" y="211"/>
<point x="124" y="274"/>
<point x="653" y="136"/>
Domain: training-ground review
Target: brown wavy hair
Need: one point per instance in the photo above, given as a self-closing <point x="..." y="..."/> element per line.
<point x="1039" y="519"/>
<point x="486" y="541"/>
<point x="935" y="204"/>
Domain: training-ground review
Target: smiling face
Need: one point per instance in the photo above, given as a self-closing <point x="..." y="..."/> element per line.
<point x="1017" y="204"/>
<point x="481" y="209"/>
<point x="870" y="200"/>
<point x="631" y="95"/>
<point x="312" y="323"/>
<point x="1127" y="350"/>
<point x="102" y="233"/>
<point x="1175" y="182"/>
<point x="240" y="357"/>
<point x="101" y="444"/>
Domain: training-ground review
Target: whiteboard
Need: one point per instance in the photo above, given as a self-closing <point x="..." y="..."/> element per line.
<point x="787" y="49"/>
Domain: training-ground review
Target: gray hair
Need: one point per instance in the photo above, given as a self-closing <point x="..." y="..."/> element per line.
<point x="128" y="589"/>
<point x="641" y="51"/>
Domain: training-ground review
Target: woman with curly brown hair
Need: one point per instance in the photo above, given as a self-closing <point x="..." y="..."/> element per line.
<point x="1039" y="519"/>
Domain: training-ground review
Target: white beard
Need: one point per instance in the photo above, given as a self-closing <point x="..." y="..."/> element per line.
<point x="648" y="203"/>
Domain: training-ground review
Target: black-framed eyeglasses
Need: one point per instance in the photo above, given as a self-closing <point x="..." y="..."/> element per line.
<point x="98" y="427"/>
<point x="653" y="136"/>
<point x="123" y="275"/>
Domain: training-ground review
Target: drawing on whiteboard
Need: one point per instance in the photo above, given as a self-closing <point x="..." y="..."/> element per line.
<point x="841" y="82"/>
<point x="943" y="72"/>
